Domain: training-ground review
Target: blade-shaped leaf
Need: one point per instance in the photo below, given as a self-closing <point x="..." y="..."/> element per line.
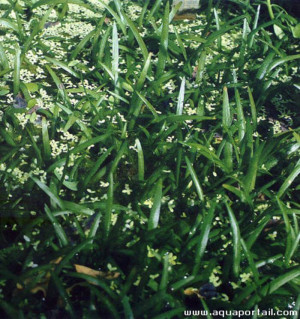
<point x="203" y="238"/>
<point x="194" y="178"/>
<point x="155" y="210"/>
<point x="236" y="240"/>
<point x="180" y="102"/>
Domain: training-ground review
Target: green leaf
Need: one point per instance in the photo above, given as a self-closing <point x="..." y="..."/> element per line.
<point x="63" y="294"/>
<point x="154" y="8"/>
<point x="95" y="226"/>
<point x="63" y="66"/>
<point x="115" y="15"/>
<point x="163" y="48"/>
<point x="194" y="178"/>
<point x="115" y="54"/>
<point x="59" y="84"/>
<point x="7" y="137"/>
<point x="148" y="104"/>
<point x="88" y="143"/>
<point x="205" y="306"/>
<point x="278" y="31"/>
<point x="46" y="143"/>
<point x="283" y="60"/>
<point x="203" y="238"/>
<point x="228" y="160"/>
<point x="32" y="87"/>
<point x="250" y="178"/>
<point x="296" y="31"/>
<point x="274" y="285"/>
<point x="95" y="167"/>
<point x="182" y="283"/>
<point x="206" y="152"/>
<point x="3" y="58"/>
<point x="57" y="227"/>
<point x="262" y="71"/>
<point x="109" y="205"/>
<point x="141" y="168"/>
<point x="201" y="66"/>
<point x="127" y="308"/>
<point x="155" y="210"/>
<point x="288" y="181"/>
<point x="181" y="45"/>
<point x="142" y="78"/>
<point x="251" y="37"/>
<point x="121" y="151"/>
<point x="226" y="118"/>
<point x="164" y="277"/>
<point x="55" y="2"/>
<point x="180" y="102"/>
<point x="257" y="231"/>
<point x="292" y="249"/>
<point x="48" y="191"/>
<point x="235" y="191"/>
<point x="8" y="24"/>
<point x="236" y="240"/>
<point x="240" y="112"/>
<point x="72" y="119"/>
<point x="82" y="44"/>
<point x="138" y="37"/>
<point x="253" y="108"/>
<point x="35" y="147"/>
<point x="252" y="265"/>
<point x="103" y="44"/>
<point x="17" y="68"/>
<point x="181" y="118"/>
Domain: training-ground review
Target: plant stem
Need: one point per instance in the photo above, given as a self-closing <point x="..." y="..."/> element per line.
<point x="270" y="9"/>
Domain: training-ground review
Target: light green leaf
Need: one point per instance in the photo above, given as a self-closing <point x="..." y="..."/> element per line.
<point x="155" y="210"/>
<point x="48" y="191"/>
<point x="236" y="240"/>
<point x="296" y="31"/>
<point x="203" y="238"/>
<point x="181" y="97"/>
<point x="194" y="178"/>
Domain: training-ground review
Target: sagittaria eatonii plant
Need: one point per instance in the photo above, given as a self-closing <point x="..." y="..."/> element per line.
<point x="149" y="165"/>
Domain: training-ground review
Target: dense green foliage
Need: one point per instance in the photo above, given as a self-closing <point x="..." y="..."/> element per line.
<point x="163" y="154"/>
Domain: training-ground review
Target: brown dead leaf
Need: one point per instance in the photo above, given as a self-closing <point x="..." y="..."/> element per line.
<point x="42" y="288"/>
<point x="56" y="261"/>
<point x="96" y="273"/>
<point x="185" y="16"/>
<point x="107" y="21"/>
<point x="191" y="291"/>
<point x="110" y="275"/>
<point x="33" y="109"/>
<point x="195" y="72"/>
<point x="42" y="284"/>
